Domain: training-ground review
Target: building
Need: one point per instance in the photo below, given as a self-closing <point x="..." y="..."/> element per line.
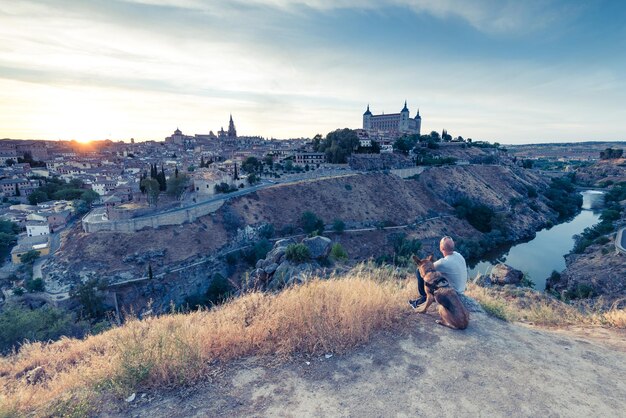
<point x="37" y="228"/>
<point x="26" y="244"/>
<point x="393" y="122"/>
<point x="310" y="158"/>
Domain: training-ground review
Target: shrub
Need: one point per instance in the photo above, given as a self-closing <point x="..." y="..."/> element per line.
<point x="19" y="323"/>
<point x="311" y="223"/>
<point x="581" y="291"/>
<point x="477" y="214"/>
<point x="339" y="226"/>
<point x="266" y="231"/>
<point x="297" y="253"/>
<point x="258" y="251"/>
<point x="531" y="192"/>
<point x="34" y="285"/>
<point x="337" y="252"/>
<point x="287" y="230"/>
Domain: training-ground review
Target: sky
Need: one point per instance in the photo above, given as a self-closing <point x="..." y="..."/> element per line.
<point x="497" y="70"/>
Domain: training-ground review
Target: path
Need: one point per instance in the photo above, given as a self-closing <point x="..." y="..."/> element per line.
<point x="620" y="241"/>
<point x="493" y="368"/>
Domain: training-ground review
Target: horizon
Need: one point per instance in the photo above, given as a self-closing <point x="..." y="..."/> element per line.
<point x="497" y="71"/>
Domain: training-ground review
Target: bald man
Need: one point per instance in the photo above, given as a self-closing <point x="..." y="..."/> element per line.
<point x="452" y="266"/>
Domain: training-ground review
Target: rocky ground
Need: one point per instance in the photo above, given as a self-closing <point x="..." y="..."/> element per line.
<point x="493" y="368"/>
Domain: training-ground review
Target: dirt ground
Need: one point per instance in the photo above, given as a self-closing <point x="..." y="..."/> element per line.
<point x="493" y="368"/>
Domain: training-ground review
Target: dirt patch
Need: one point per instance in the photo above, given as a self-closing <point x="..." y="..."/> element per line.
<point x="491" y="369"/>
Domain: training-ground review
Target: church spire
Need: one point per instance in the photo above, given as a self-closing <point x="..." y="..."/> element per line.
<point x="405" y="109"/>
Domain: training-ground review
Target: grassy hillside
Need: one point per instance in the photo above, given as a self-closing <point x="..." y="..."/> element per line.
<point x="75" y="376"/>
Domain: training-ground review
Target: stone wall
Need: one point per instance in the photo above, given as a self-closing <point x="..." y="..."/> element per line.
<point x="172" y="217"/>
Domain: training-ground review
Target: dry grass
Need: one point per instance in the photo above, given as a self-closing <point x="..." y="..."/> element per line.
<point x="318" y="317"/>
<point x="526" y="305"/>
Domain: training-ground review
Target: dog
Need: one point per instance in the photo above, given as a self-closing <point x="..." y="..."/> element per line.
<point x="453" y="314"/>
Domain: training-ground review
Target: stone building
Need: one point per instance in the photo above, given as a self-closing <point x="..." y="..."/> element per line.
<point x="392" y="122"/>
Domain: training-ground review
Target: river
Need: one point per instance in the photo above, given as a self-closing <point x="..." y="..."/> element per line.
<point x="545" y="253"/>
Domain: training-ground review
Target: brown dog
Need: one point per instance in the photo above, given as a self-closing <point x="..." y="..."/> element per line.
<point x="453" y="313"/>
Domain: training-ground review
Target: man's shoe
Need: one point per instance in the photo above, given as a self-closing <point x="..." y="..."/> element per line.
<point x="417" y="302"/>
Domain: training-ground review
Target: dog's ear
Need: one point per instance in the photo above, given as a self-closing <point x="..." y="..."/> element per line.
<point x="429" y="258"/>
<point x="416" y="260"/>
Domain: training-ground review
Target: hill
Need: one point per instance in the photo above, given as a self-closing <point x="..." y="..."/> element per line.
<point x="346" y="346"/>
<point x="422" y="207"/>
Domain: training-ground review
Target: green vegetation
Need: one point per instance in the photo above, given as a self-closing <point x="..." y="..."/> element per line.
<point x="338" y="145"/>
<point x="218" y="292"/>
<point x="612" y="212"/>
<point x="297" y="253"/>
<point x="337" y="252"/>
<point x="8" y="236"/>
<point x="563" y="198"/>
<point x="256" y="252"/>
<point x="480" y="216"/>
<point x="339" y="226"/>
<point x="152" y="189"/>
<point x="55" y="188"/>
<point x="311" y="223"/>
<point x="224" y="188"/>
<point x="30" y="257"/>
<point x="177" y="185"/>
<point x="611" y="153"/>
<point x="19" y="324"/>
<point x="403" y="248"/>
<point x="89" y="296"/>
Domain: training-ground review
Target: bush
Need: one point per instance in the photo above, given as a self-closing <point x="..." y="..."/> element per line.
<point x="339" y="226"/>
<point x="337" y="252"/>
<point x="477" y="214"/>
<point x="266" y="231"/>
<point x="297" y="253"/>
<point x="258" y="251"/>
<point x="532" y="192"/>
<point x="563" y="198"/>
<point x="311" y="223"/>
<point x="581" y="291"/>
<point x="18" y="324"/>
<point x="34" y="285"/>
<point x="219" y="290"/>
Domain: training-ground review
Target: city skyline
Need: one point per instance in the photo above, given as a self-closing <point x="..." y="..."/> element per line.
<point x="537" y="71"/>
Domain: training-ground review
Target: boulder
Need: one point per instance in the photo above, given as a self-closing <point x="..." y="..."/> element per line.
<point x="319" y="247"/>
<point x="270" y="268"/>
<point x="482" y="280"/>
<point x="284" y="242"/>
<point x="275" y="255"/>
<point x="501" y="274"/>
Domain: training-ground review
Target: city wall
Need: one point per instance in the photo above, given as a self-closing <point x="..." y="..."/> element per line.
<point x="173" y="217"/>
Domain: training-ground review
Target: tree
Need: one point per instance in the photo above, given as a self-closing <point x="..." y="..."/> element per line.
<point x="252" y="179"/>
<point x="251" y="165"/>
<point x="17" y="190"/>
<point x="338" y="145"/>
<point x="176" y="186"/>
<point x="311" y="223"/>
<point x="162" y="180"/>
<point x="9" y="162"/>
<point x="611" y="153"/>
<point x="89" y="297"/>
<point x="339" y="226"/>
<point x="152" y="189"/>
<point x="30" y="257"/>
<point x="89" y="196"/>
<point x="269" y="161"/>
<point x="150" y="275"/>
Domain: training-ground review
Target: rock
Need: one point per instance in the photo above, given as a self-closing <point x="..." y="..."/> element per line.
<point x="319" y="247"/>
<point x="482" y="280"/>
<point x="284" y="242"/>
<point x="271" y="268"/>
<point x="470" y="304"/>
<point x="501" y="274"/>
<point x="35" y="375"/>
<point x="275" y="255"/>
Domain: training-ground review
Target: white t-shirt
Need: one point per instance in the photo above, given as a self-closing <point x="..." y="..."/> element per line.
<point x="453" y="267"/>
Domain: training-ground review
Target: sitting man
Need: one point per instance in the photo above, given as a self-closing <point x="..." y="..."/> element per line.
<point x="452" y="266"/>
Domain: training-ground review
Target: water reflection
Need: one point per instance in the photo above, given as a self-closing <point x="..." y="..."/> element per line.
<point x="543" y="254"/>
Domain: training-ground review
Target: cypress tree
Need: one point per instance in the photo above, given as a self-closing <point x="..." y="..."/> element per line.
<point x="236" y="174"/>
<point x="161" y="180"/>
<point x="202" y="161"/>
<point x="176" y="172"/>
<point x="150" y="276"/>
<point x="17" y="190"/>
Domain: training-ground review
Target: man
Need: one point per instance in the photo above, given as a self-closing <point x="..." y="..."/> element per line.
<point x="452" y="266"/>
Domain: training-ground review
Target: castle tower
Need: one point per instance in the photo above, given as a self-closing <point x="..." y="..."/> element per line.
<point x="367" y="119"/>
<point x="403" y="126"/>
<point x="232" y="132"/>
<point x="418" y="121"/>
